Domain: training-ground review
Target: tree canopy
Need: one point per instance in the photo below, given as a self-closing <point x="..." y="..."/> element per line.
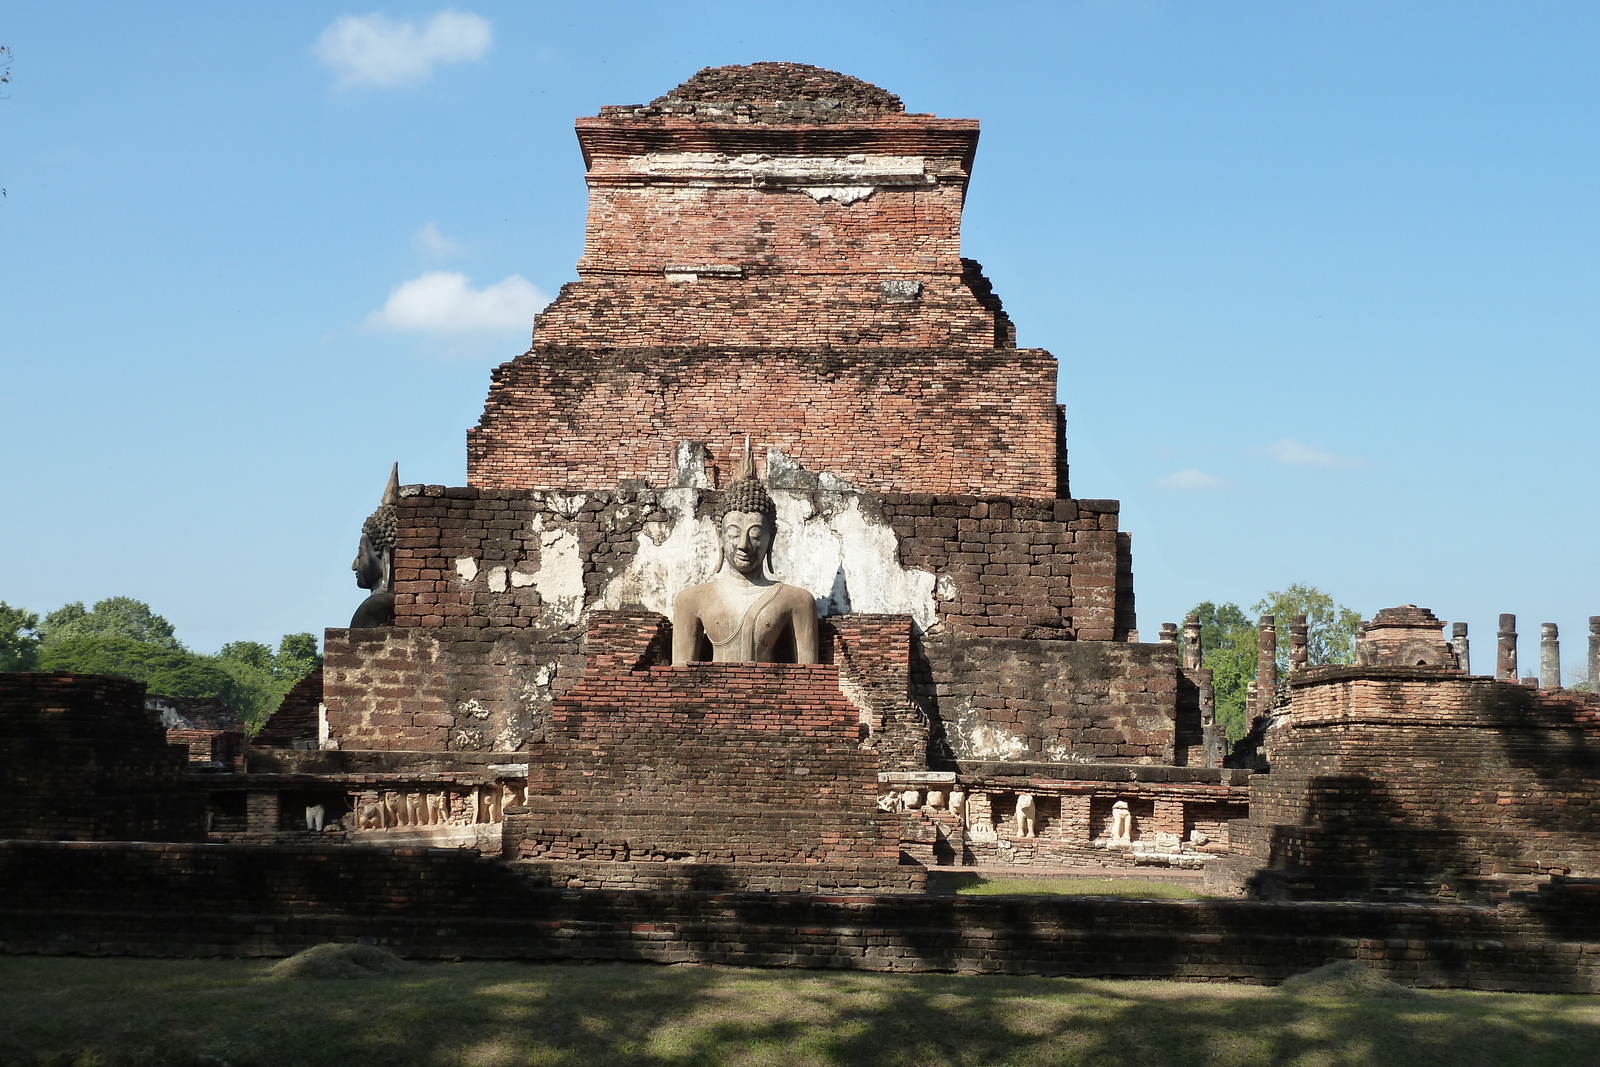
<point x="116" y="616"/>
<point x="19" y="639"/>
<point x="1330" y="628"/>
<point x="1229" y="644"/>
<point x="125" y="638"/>
<point x="167" y="671"/>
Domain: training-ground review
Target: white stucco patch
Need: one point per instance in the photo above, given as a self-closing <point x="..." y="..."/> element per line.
<point x="466" y="568"/>
<point x="845" y="561"/>
<point x="976" y="739"/>
<point x="559" y="579"/>
<point x="670" y="557"/>
<point x="497" y="579"/>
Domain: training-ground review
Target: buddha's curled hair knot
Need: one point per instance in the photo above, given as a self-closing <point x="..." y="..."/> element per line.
<point x="748" y="494"/>
<point x="382" y="527"/>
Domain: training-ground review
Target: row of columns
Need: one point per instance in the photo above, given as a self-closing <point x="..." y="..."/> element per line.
<point x="1505" y="664"/>
<point x="1266" y="684"/>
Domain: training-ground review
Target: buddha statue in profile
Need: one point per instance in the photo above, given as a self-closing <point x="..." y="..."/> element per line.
<point x="741" y="615"/>
<point x="374" y="562"/>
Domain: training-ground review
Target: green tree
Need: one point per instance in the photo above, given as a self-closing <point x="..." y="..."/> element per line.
<point x="297" y="656"/>
<point x="116" y="616"/>
<point x="263" y="678"/>
<point x="1330" y="628"/>
<point x="168" y="671"/>
<point x="1228" y="650"/>
<point x="19" y="639"/>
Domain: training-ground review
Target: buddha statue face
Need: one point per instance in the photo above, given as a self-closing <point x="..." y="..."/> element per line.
<point x="746" y="540"/>
<point x="371" y="565"/>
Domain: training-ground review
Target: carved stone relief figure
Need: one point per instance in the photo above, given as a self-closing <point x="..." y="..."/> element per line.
<point x="315" y="814"/>
<point x="438" y="808"/>
<point x="1121" y="823"/>
<point x="374" y="563"/>
<point x="393" y="811"/>
<point x="1026" y="810"/>
<point x="935" y="798"/>
<point x="370" y="815"/>
<point x="958" y="806"/>
<point x="416" y="809"/>
<point x="741" y="615"/>
<point x="909" y="799"/>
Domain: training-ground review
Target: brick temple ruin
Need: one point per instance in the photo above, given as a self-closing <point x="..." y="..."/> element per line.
<point x="772" y="279"/>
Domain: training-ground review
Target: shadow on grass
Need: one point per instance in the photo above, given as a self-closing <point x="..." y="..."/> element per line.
<point x="143" y="1011"/>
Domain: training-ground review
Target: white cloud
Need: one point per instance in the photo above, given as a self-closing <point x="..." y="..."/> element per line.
<point x="430" y="244"/>
<point x="1189" y="478"/>
<point x="374" y="50"/>
<point x="1294" y="453"/>
<point x="444" y="302"/>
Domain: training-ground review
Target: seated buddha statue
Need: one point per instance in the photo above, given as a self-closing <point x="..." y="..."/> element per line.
<point x="374" y="562"/>
<point x="741" y="615"/>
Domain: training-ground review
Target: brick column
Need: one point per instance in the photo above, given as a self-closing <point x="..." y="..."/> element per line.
<point x="1075" y="820"/>
<point x="1192" y="652"/>
<point x="1267" y="665"/>
<point x="1549" y="656"/>
<point x="1458" y="641"/>
<point x="1167" y="818"/>
<point x="1299" y="654"/>
<point x="1594" y="653"/>
<point x="1505" y="660"/>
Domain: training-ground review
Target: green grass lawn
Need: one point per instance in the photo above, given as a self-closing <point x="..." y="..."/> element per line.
<point x="130" y="1011"/>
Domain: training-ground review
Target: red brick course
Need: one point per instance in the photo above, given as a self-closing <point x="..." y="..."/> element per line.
<point x="921" y="421"/>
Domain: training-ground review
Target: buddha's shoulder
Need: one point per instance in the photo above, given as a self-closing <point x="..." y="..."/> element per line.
<point x="794" y="595"/>
<point x="693" y="594"/>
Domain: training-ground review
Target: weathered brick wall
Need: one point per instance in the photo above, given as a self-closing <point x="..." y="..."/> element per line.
<point x="888" y="420"/>
<point x="705" y="763"/>
<point x="828" y="312"/>
<point x="1020" y="568"/>
<point x="84" y="759"/>
<point x="104" y="898"/>
<point x="225" y="747"/>
<point x="1072" y="701"/>
<point x="461" y="688"/>
<point x="875" y="660"/>
<point x="1426" y="782"/>
<point x="1009" y="567"/>
<point x="774" y="226"/>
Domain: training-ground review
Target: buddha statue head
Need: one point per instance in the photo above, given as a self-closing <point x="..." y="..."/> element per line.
<point x="748" y="521"/>
<point x="374" y="562"/>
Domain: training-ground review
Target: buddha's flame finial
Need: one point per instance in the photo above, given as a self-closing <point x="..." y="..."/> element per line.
<point x="747" y="463"/>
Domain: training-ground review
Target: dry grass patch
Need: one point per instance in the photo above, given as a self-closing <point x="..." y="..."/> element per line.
<point x="115" y="1012"/>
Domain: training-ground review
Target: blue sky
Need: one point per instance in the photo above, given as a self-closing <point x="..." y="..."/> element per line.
<point x="1322" y="277"/>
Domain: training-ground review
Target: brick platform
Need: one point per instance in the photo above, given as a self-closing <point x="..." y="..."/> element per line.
<point x="1396" y="781"/>
<point x="116" y="899"/>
